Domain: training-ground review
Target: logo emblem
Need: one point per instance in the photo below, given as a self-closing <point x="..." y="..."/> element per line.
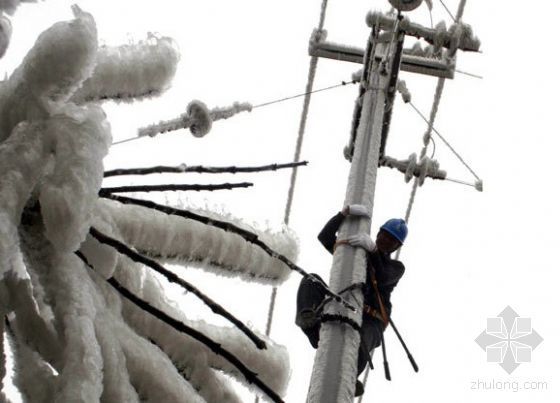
<point x="509" y="340"/>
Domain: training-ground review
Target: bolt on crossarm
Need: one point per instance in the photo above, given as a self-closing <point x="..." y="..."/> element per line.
<point x="334" y="371"/>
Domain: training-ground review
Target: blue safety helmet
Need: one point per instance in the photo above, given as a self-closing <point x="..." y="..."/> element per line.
<point x="397" y="228"/>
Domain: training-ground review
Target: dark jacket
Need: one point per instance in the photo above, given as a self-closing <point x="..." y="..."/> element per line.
<point x="387" y="271"/>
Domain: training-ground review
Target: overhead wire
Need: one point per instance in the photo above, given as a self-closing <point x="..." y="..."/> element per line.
<point x="446" y="142"/>
<point x="268" y="103"/>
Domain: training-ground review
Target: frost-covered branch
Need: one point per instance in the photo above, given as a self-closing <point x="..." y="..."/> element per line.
<point x="228" y="227"/>
<point x="197" y="118"/>
<point x="47" y="73"/>
<point x="162" y="188"/>
<point x="271" y="364"/>
<point x="189" y="241"/>
<point x="173" y="278"/>
<point x="33" y="376"/>
<point x="200" y="169"/>
<point x="132" y="71"/>
<point x="181" y="327"/>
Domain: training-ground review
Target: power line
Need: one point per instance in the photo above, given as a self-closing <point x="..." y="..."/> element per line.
<point x="276" y="101"/>
<point x="342" y="84"/>
<point x="445" y="142"/>
<point x="448" y="11"/>
<point x="469" y="74"/>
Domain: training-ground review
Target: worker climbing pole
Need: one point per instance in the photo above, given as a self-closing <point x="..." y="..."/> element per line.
<point x="334" y="371"/>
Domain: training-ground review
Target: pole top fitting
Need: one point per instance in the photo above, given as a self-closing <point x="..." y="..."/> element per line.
<point x="406" y="5"/>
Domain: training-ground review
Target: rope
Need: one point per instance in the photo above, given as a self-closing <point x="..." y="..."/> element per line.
<point x="301" y="131"/>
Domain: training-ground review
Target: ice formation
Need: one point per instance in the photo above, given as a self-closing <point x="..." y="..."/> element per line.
<point x="74" y="338"/>
<point x="198" y="119"/>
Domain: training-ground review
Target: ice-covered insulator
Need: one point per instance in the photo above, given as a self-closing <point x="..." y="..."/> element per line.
<point x="201" y="121"/>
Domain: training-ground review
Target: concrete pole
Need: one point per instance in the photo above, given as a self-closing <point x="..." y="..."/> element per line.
<point x="334" y="371"/>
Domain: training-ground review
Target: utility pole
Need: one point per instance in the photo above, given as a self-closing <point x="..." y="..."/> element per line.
<point x="334" y="371"/>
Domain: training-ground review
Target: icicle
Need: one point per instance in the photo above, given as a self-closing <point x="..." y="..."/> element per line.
<point x="130" y="72"/>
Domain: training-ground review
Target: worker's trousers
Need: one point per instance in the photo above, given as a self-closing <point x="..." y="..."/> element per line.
<point x="310" y="295"/>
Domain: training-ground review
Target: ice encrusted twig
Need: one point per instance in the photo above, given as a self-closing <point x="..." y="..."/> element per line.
<point x="162" y="188"/>
<point x="247" y="235"/>
<point x="131" y="72"/>
<point x="186" y="241"/>
<point x="173" y="278"/>
<point x="195" y="334"/>
<point x="200" y="169"/>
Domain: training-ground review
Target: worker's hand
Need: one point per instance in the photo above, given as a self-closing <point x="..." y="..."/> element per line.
<point x="356" y="210"/>
<point x="362" y="240"/>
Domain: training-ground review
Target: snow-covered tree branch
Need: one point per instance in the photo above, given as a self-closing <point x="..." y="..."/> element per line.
<point x="74" y="334"/>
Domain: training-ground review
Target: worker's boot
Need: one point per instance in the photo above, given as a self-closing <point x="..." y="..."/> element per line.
<point x="359" y="389"/>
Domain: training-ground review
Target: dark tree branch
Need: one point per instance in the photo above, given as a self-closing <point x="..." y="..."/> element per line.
<point x="226" y="226"/>
<point x="173" y="278"/>
<point x="195" y="334"/>
<point x="172" y="187"/>
<point x="200" y="169"/>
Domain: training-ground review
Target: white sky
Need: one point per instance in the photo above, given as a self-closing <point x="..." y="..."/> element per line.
<point x="469" y="254"/>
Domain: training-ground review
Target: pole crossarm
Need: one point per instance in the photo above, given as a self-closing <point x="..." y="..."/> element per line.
<point x="458" y="36"/>
<point x="410" y="63"/>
